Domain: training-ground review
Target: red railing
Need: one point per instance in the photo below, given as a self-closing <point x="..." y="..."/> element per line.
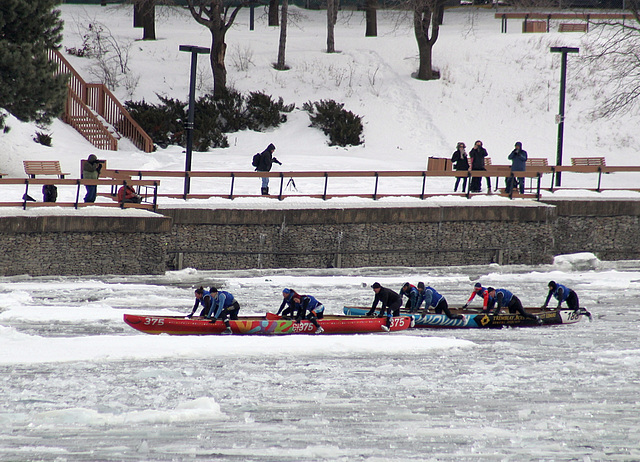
<point x="98" y="98"/>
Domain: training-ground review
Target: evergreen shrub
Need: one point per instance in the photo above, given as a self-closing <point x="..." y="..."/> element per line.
<point x="343" y="127"/>
<point x="213" y="117"/>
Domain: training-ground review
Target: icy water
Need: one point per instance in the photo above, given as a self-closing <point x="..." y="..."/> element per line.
<point x="78" y="384"/>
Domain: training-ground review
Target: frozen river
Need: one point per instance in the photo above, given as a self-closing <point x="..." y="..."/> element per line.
<point x="78" y="384"/>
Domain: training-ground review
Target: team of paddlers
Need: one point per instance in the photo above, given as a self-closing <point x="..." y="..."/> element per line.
<point x="222" y="305"/>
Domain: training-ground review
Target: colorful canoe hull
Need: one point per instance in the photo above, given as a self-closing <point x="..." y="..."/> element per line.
<point x="473" y="320"/>
<point x="177" y="325"/>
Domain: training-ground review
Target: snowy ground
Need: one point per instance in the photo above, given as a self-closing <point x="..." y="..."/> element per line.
<point x="499" y="88"/>
<point x="78" y="384"/>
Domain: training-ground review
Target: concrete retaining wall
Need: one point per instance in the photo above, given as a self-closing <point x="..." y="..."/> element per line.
<point x="526" y="233"/>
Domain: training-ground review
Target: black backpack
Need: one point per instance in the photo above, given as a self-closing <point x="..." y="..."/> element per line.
<point x="256" y="159"/>
<point x="49" y="193"/>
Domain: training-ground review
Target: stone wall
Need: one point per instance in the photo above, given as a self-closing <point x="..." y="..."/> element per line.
<point x="82" y="245"/>
<point x="526" y="233"/>
<point x="422" y="236"/>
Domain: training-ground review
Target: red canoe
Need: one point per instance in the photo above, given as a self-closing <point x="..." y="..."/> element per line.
<point x="179" y="325"/>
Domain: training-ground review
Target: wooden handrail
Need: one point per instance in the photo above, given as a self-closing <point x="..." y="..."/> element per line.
<point x="100" y="99"/>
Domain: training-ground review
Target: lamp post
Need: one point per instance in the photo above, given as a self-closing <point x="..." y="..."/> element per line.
<point x="560" y="116"/>
<point x="194" y="50"/>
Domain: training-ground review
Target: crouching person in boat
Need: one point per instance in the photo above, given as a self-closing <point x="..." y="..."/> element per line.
<point x="223" y="306"/>
<point x="505" y="298"/>
<point x="431" y="297"/>
<point x="487" y="301"/>
<point x="413" y="297"/>
<point x="203" y="297"/>
<point x="391" y="303"/>
<point x="288" y="306"/>
<point x="564" y="294"/>
<point x="315" y="309"/>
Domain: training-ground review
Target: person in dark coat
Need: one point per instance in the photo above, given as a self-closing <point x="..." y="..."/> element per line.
<point x="391" y="303"/>
<point x="518" y="158"/>
<point x="91" y="171"/>
<point x="266" y="162"/>
<point x="461" y="162"/>
<point x="477" y="155"/>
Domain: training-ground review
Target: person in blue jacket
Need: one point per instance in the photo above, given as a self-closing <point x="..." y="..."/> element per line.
<point x="505" y="298"/>
<point x="288" y="306"/>
<point x="431" y="297"/>
<point x="309" y="308"/>
<point x="203" y="297"/>
<point x="223" y="306"/>
<point x="518" y="158"/>
<point x="413" y="295"/>
<point x="562" y="294"/>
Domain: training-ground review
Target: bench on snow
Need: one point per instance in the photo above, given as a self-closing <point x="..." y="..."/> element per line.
<point x="43" y="167"/>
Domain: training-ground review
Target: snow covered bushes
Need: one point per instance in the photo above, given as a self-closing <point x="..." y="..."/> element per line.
<point x="213" y="118"/>
<point x="343" y="127"/>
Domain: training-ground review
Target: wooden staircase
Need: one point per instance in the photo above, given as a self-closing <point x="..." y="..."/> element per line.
<point x="96" y="113"/>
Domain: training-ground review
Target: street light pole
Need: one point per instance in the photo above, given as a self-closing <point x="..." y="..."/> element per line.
<point x="560" y="116"/>
<point x="194" y="50"/>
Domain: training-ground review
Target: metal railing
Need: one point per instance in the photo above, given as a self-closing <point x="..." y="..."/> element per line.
<point x="498" y="171"/>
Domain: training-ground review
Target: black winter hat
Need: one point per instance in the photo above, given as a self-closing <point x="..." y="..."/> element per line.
<point x="271" y="147"/>
<point x="376" y="285"/>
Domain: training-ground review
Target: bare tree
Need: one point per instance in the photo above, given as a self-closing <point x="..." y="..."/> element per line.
<point x="280" y="65"/>
<point x="427" y="17"/>
<point x="332" y="18"/>
<point x="218" y="18"/>
<point x="615" y="58"/>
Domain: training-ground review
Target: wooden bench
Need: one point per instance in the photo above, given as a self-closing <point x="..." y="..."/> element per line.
<point x="43" y="167"/>
<point x="573" y="27"/>
<point x="536" y="162"/>
<point x="588" y="162"/>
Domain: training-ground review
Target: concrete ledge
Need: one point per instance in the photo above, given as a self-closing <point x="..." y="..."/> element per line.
<point x="84" y="224"/>
<point x="596" y="207"/>
<point x="423" y="214"/>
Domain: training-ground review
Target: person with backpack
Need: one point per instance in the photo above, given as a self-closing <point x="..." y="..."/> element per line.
<point x="264" y="164"/>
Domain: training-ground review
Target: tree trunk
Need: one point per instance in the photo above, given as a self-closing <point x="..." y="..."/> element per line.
<point x="218" y="52"/>
<point x="149" y="20"/>
<point x="283" y="37"/>
<point x="137" y="14"/>
<point x="427" y="15"/>
<point x="214" y="16"/>
<point x="332" y="17"/>
<point x="371" y="8"/>
<point x="273" y="12"/>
